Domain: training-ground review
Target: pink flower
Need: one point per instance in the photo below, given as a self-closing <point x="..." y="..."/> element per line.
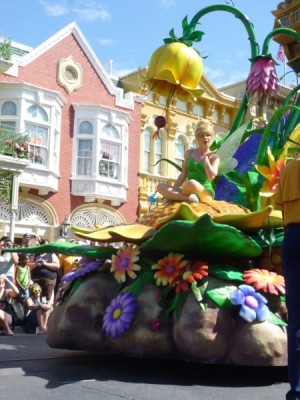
<point x="263" y="78"/>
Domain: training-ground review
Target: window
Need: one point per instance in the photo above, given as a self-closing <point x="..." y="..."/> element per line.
<point x="8" y="125"/>
<point x="38" y="135"/>
<point x="285" y="21"/>
<point x="85" y="149"/>
<point x="38" y="143"/>
<point x="198" y="110"/>
<point x="194" y="144"/>
<point x="100" y="165"/>
<point x="86" y="128"/>
<point x="179" y="152"/>
<point x="37" y="113"/>
<point x="158" y="154"/>
<point x="8" y="109"/>
<point x="110" y="153"/>
<point x="147" y="148"/>
<point x="84" y="160"/>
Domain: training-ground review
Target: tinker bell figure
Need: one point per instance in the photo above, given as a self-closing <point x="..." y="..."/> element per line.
<point x="201" y="166"/>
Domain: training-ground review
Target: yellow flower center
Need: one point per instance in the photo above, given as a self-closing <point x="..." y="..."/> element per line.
<point x="116" y="313"/>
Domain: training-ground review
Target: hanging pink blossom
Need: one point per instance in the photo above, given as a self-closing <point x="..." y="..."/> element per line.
<point x="262" y="78"/>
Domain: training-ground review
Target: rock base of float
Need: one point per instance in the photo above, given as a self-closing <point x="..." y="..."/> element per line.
<point x="213" y="336"/>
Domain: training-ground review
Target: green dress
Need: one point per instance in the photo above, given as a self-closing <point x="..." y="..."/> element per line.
<point x="196" y="171"/>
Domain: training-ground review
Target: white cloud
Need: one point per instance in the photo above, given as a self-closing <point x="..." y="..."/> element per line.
<point x="87" y="10"/>
<point x="54" y="10"/>
<point x="166" y="3"/>
<point x="105" y="42"/>
<point x="92" y="13"/>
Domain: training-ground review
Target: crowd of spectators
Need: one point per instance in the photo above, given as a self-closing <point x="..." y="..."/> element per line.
<point x="31" y="280"/>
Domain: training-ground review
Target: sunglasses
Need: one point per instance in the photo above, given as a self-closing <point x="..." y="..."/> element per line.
<point x="36" y="291"/>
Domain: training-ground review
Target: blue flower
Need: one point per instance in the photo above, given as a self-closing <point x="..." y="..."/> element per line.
<point x="253" y="304"/>
<point x="152" y="198"/>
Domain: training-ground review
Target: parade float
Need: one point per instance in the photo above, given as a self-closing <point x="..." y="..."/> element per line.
<point x="199" y="282"/>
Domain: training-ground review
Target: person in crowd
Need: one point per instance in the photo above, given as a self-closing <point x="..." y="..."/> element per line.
<point x="23" y="275"/>
<point x="27" y="239"/>
<point x="199" y="168"/>
<point x="287" y="199"/>
<point x="37" y="309"/>
<point x="8" y="261"/>
<point x="6" y="312"/>
<point x="44" y="272"/>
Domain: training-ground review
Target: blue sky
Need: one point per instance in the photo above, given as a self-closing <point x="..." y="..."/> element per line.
<point x="129" y="31"/>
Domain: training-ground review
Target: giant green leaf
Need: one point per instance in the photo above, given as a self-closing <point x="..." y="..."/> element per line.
<point x="69" y="249"/>
<point x="202" y="238"/>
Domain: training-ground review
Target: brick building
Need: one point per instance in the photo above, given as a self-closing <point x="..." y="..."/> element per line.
<point x="83" y="134"/>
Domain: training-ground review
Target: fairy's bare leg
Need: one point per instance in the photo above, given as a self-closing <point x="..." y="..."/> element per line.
<point x="194" y="187"/>
<point x="174" y="193"/>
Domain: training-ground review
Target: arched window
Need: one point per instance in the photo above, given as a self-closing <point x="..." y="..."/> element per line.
<point x="9" y="108"/>
<point x="85" y="149"/>
<point x="86" y="128"/>
<point x="37" y="113"/>
<point x="147" y="149"/>
<point x="110" y="157"/>
<point x="194" y="144"/>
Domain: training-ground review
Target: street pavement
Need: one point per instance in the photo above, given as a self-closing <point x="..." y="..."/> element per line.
<point x="30" y="369"/>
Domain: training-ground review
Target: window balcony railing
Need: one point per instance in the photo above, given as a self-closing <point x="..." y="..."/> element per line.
<point x="14" y="144"/>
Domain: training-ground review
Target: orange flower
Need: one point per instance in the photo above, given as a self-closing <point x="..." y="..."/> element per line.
<point x="168" y="268"/>
<point x="264" y="280"/>
<point x="271" y="173"/>
<point x="191" y="273"/>
<point x="123" y="262"/>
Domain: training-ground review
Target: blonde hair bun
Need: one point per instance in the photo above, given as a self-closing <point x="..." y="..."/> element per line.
<point x="204" y="125"/>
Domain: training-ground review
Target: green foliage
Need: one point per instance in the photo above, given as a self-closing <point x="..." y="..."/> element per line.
<point x="189" y="34"/>
<point x="221" y="296"/>
<point x="274" y="319"/>
<point x="198" y="292"/>
<point x="226" y="273"/>
<point x="5" y="50"/>
<point x="204" y="237"/>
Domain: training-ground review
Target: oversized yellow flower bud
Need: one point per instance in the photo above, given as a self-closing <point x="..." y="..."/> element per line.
<point x="175" y="69"/>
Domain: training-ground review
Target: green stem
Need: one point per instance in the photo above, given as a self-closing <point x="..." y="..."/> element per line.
<point x="293" y="118"/>
<point x="264" y="141"/>
<point x="277" y="31"/>
<point x="253" y="47"/>
<point x="238" y="14"/>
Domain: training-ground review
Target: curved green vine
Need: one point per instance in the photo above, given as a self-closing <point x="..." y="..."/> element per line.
<point x="274" y="32"/>
<point x="264" y="141"/>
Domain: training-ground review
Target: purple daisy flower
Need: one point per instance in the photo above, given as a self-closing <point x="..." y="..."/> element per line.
<point x="119" y="315"/>
<point x="253" y="304"/>
<point x="83" y="270"/>
<point x="263" y="78"/>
